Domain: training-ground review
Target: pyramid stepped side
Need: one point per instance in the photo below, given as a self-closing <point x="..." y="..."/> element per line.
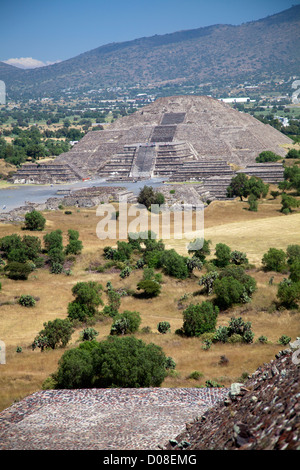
<point x="46" y="173"/>
<point x="271" y="173"/>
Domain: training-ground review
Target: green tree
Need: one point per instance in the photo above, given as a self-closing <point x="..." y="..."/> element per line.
<point x="289" y="293"/>
<point x="116" y="362"/>
<point x="293" y="253"/>
<point x="288" y="203"/>
<point x="56" y="333"/>
<point x="223" y="255"/>
<point x="267" y="156"/>
<point x="199" y="318"/>
<point x="174" y="264"/>
<point x="74" y="246"/>
<point x="87" y="299"/>
<point x="34" y="220"/>
<point x="150" y="287"/>
<point x="17" y="271"/>
<point x="274" y="260"/>
<point x="239" y="186"/>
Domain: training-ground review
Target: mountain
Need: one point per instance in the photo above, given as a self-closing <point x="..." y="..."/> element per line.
<point x="257" y="50"/>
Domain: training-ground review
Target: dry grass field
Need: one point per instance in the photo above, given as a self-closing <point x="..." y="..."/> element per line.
<point x="227" y="222"/>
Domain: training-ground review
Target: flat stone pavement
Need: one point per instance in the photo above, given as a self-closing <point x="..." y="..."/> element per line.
<point x="103" y="419"/>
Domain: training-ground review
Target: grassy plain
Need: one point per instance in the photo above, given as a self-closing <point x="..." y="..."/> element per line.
<point x="227" y="222"/>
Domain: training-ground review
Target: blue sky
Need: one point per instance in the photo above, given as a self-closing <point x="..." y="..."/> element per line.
<point x="54" y="30"/>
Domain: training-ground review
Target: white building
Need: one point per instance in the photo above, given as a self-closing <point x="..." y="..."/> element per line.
<point x="235" y="100"/>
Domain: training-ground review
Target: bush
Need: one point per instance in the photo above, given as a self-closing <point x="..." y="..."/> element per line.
<point x="253" y="203"/>
<point x="267" y="156"/>
<point x="288" y="203"/>
<point x="223" y="255"/>
<point x="222" y="334"/>
<point x="200" y="253"/>
<point x="293" y="253"/>
<point x="17" y="271"/>
<point x="237" y="331"/>
<point x="208" y="281"/>
<point x="196" y="375"/>
<point x="284" y="340"/>
<point x="174" y="265"/>
<point x="116" y="362"/>
<point x="289" y="293"/>
<point x="274" y="260"/>
<point x="126" y="322"/>
<point x="199" y="319"/>
<point x="27" y="301"/>
<point x="151" y="288"/>
<point x="295" y="271"/>
<point x="125" y="272"/>
<point x="34" y="221"/>
<point x="74" y="246"/>
<point x="56" y="333"/>
<point x="262" y="339"/>
<point x="163" y="327"/>
<point x="235" y="338"/>
<point x="88" y="334"/>
<point x="87" y="299"/>
<point x="229" y="291"/>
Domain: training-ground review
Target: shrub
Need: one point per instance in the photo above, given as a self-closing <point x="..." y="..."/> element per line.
<point x="27" y="301"/>
<point x="223" y="255"/>
<point x="238" y="258"/>
<point x="208" y="281"/>
<point x="289" y="293"/>
<point x="125" y="272"/>
<point x="229" y="291"/>
<point x="174" y="265"/>
<point x="199" y="248"/>
<point x="195" y="375"/>
<point x="116" y="362"/>
<point x="293" y="253"/>
<point x="295" y="271"/>
<point x="34" y="221"/>
<point x="163" y="327"/>
<point x="74" y="246"/>
<point x="222" y="334"/>
<point x="274" y="260"/>
<point x="288" y="203"/>
<point x="56" y="333"/>
<point x="235" y="338"/>
<point x="253" y="203"/>
<point x="284" y="340"/>
<point x="88" y="334"/>
<point x="151" y="288"/>
<point x="199" y="319"/>
<point x="56" y="268"/>
<point x="17" y="271"/>
<point x="262" y="339"/>
<point x="87" y="299"/>
<point x="126" y="322"/>
<point x="267" y="156"/>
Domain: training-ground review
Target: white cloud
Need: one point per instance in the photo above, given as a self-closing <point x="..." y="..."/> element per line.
<point x="27" y="63"/>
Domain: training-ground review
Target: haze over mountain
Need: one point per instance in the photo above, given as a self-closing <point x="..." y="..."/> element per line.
<point x="253" y="51"/>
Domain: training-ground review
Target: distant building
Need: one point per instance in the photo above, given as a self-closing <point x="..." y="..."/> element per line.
<point x="284" y="121"/>
<point x="235" y="100"/>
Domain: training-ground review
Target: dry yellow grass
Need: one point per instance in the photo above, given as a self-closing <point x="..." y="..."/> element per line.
<point x="226" y="222"/>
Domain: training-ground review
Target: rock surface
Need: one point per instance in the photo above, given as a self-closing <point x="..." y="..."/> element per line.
<point x="261" y="414"/>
